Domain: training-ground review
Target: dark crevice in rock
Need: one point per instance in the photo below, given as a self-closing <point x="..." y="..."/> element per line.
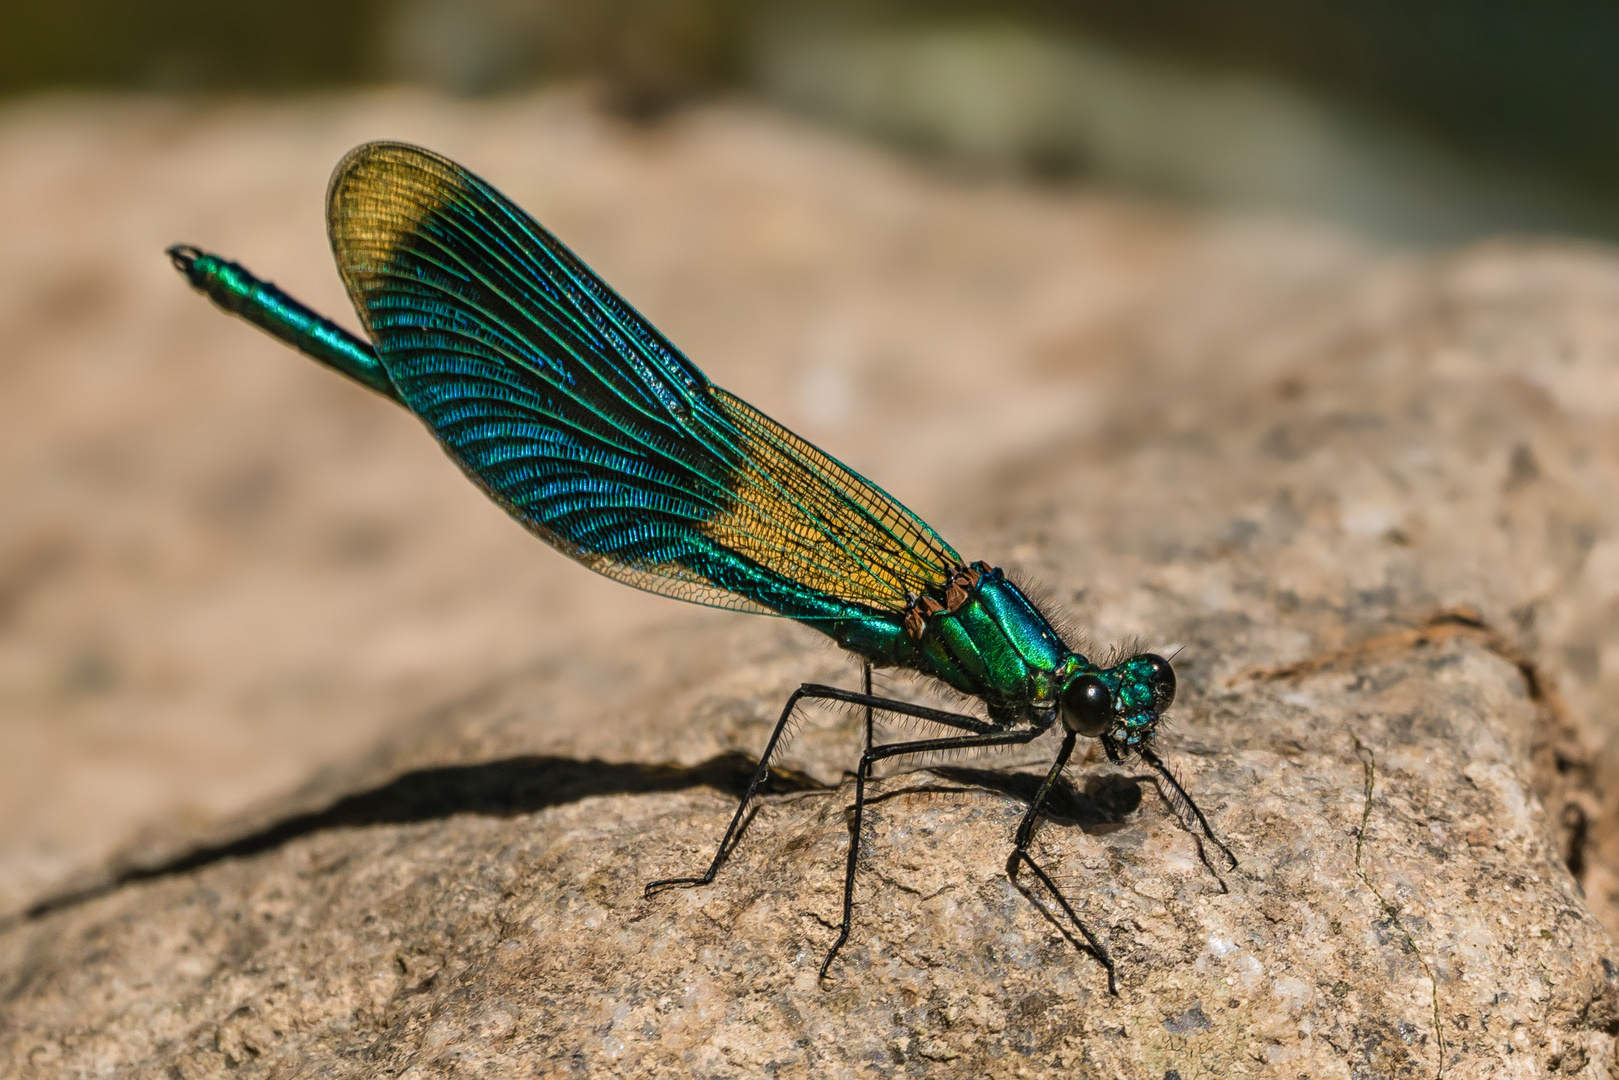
<point x="1390" y="910"/>
<point x="1563" y="772"/>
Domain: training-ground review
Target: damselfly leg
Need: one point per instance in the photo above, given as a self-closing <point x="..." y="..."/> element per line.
<point x="869" y="718"/>
<point x="1020" y="854"/>
<point x="816" y="691"/>
<point x="1183" y="801"/>
<point x="982" y="734"/>
<point x="987" y="736"/>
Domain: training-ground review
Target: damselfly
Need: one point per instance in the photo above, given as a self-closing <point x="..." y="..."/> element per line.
<point x="580" y="419"/>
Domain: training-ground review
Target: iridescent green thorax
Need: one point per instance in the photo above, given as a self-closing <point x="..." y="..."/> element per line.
<point x="987" y="639"/>
<point x="993" y="645"/>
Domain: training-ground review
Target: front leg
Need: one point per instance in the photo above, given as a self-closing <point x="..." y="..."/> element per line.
<point x="1185" y="799"/>
<point x="1020" y="853"/>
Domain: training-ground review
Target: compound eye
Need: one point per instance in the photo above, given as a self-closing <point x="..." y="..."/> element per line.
<point x="1162" y="681"/>
<point x="1087" y="706"/>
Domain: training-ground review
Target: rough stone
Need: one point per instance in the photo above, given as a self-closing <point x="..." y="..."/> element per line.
<point x="1370" y="498"/>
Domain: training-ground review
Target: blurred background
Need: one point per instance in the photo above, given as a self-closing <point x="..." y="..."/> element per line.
<point x="222" y="568"/>
<point x="1416" y="122"/>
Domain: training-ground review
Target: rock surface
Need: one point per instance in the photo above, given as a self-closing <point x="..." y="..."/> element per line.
<point x="1373" y="499"/>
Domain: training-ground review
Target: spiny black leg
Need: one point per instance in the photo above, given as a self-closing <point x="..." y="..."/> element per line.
<point x="1020" y="853"/>
<point x="1163" y="770"/>
<point x="987" y="736"/>
<point x="813" y="691"/>
<point x="897" y="707"/>
<point x="869" y="721"/>
<point x="1025" y="829"/>
<point x="759" y="775"/>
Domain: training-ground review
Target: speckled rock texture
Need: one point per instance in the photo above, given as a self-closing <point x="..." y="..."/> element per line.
<point x="1371" y="499"/>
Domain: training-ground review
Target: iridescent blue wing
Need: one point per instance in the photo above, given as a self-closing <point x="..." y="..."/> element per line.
<point x="587" y="425"/>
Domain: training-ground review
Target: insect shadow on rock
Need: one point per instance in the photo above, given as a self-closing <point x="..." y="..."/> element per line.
<point x="590" y="428"/>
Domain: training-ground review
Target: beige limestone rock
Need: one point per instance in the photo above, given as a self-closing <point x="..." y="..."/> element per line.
<point x="1371" y="498"/>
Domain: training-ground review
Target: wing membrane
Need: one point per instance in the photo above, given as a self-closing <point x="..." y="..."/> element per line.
<point x="587" y="425"/>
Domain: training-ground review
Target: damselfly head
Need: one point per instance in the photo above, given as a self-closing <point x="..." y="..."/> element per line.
<point x="1122" y="703"/>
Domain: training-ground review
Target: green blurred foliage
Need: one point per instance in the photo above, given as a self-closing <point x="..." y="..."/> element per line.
<point x="1532" y="82"/>
<point x="663" y="47"/>
<point x="1524" y="87"/>
<point x="184" y="44"/>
